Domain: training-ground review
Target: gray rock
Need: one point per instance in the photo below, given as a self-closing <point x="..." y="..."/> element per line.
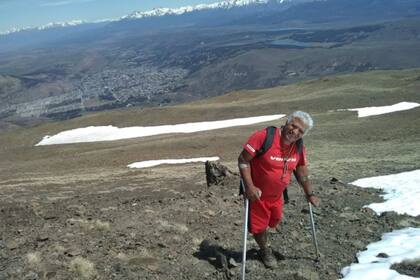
<point x="42" y="238"/>
<point x="307" y="274"/>
<point x="350" y="217"/>
<point x="358" y="244"/>
<point x="12" y="245"/>
<point x="73" y="252"/>
<point x="49" y="216"/>
<point x="382" y="255"/>
<point x="232" y="262"/>
<point x="31" y="276"/>
<point x="216" y="173"/>
<point x="408" y="267"/>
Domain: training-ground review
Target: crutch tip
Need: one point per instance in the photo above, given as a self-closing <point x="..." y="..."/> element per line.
<point x="318" y="258"/>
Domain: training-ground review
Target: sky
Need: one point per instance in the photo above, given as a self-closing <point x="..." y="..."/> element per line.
<point x="33" y="13"/>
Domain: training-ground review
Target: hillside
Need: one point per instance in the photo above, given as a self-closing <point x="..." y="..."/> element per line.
<point x="76" y="210"/>
<point x="62" y="73"/>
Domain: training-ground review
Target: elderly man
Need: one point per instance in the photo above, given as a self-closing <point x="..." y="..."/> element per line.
<point x="266" y="176"/>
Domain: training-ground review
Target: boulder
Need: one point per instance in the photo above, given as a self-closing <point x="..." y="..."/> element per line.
<point x="216" y="173"/>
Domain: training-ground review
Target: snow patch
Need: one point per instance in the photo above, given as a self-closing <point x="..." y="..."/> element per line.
<point x="373" y="111"/>
<point x="151" y="163"/>
<point x="398" y="245"/>
<point x="402" y="192"/>
<point x="111" y="133"/>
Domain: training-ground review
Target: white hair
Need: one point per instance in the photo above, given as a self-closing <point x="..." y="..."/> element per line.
<point x="304" y="117"/>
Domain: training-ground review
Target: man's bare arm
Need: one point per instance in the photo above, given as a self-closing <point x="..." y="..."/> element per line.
<point x="244" y="164"/>
<point x="302" y="176"/>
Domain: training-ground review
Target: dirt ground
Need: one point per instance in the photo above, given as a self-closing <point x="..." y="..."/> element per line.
<point x="175" y="227"/>
<point x="77" y="211"/>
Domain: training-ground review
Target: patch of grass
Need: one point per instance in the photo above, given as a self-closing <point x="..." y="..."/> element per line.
<point x="91" y="224"/>
<point x="83" y="268"/>
<point x="176" y="227"/>
<point x="9" y="85"/>
<point x="34" y="260"/>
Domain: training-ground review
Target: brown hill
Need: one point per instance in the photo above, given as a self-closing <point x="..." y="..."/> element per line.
<point x="76" y="211"/>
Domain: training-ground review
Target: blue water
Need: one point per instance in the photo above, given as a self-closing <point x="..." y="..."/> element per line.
<point x="289" y="42"/>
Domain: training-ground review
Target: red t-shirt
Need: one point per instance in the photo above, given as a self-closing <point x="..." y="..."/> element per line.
<point x="267" y="170"/>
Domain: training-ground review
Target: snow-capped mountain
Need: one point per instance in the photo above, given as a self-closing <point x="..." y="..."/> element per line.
<point x="56" y="25"/>
<point x="167" y="56"/>
<point x="227" y="4"/>
<point x="188" y="9"/>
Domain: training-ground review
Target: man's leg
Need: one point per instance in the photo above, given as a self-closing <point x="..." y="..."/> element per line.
<point x="261" y="239"/>
<point x="259" y="221"/>
<point x="266" y="253"/>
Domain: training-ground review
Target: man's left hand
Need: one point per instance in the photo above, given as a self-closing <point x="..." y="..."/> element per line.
<point x="313" y="200"/>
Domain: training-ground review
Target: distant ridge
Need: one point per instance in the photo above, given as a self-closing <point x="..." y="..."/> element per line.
<point x="312" y="10"/>
<point x="176" y="56"/>
<point x="157" y="12"/>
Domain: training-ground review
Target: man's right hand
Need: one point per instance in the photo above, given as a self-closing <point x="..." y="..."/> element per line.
<point x="253" y="193"/>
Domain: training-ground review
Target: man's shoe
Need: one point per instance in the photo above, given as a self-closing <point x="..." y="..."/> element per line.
<point x="268" y="258"/>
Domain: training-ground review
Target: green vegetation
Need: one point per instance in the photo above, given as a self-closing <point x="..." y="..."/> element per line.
<point x="339" y="138"/>
<point x="8" y="85"/>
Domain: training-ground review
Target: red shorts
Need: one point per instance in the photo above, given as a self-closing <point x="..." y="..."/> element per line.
<point x="263" y="214"/>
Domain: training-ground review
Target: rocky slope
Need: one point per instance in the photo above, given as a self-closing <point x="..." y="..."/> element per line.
<point x="77" y="211"/>
<point x="184" y="230"/>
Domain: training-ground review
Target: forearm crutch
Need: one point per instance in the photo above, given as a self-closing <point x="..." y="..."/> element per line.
<point x="311" y="215"/>
<point x="245" y="236"/>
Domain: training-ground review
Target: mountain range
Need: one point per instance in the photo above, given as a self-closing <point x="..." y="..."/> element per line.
<point x="157" y="12"/>
<point x="171" y="56"/>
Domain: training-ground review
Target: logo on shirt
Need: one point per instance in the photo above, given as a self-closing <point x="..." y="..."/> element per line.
<point x="251" y="148"/>
<point x="282" y="159"/>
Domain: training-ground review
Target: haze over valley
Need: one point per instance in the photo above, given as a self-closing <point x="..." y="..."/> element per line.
<point x="64" y="72"/>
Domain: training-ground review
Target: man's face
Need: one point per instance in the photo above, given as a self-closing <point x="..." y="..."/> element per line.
<point x="293" y="130"/>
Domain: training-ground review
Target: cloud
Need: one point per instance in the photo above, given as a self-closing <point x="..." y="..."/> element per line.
<point x="63" y="3"/>
<point x="53" y="4"/>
